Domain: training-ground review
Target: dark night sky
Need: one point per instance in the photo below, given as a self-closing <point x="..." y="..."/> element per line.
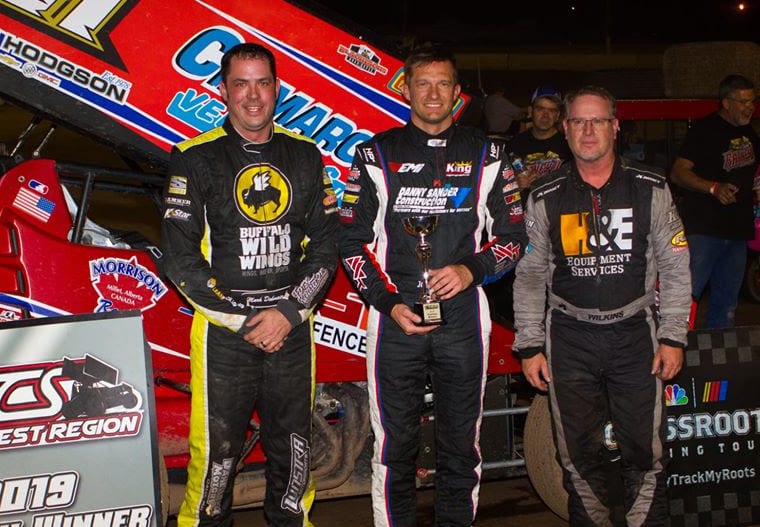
<point x="508" y="23"/>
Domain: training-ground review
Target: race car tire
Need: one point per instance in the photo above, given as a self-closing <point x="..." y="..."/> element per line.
<point x="540" y="453"/>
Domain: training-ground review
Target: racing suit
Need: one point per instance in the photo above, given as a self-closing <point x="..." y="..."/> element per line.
<point x="467" y="181"/>
<point x="585" y="293"/>
<point x="247" y="227"/>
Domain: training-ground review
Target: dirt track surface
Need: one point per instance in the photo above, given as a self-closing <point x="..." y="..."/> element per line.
<point x="505" y="503"/>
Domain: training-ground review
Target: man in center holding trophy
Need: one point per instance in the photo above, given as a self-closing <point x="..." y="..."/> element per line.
<point x="431" y="212"/>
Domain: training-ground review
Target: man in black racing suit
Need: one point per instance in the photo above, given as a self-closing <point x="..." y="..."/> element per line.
<point x="250" y="236"/>
<point x="436" y="168"/>
<point x="603" y="232"/>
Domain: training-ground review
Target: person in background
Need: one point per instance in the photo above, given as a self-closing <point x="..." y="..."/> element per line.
<point x="501" y="115"/>
<point x="534" y="152"/>
<point x="436" y="168"/>
<point x="714" y="170"/>
<point x="250" y="234"/>
<point x="541" y="147"/>
<point x="603" y="233"/>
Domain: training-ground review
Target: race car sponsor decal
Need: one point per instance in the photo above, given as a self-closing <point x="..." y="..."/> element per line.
<point x="509" y="187"/>
<point x="458" y="168"/>
<point x="678" y="241"/>
<point x="262" y="193"/>
<point x="85" y="24"/>
<point x="264" y="249"/>
<point x="39" y="187"/>
<point x="362" y="57"/>
<point x="614" y="239"/>
<point x="437" y="200"/>
<point x="9" y="313"/>
<point x="66" y="401"/>
<point x="511" y="198"/>
<point x="516" y="214"/>
<point x="178" y="185"/>
<point x="355" y="265"/>
<point x="34" y="61"/>
<point x="403" y="168"/>
<point x="213" y="495"/>
<point x="176" y="214"/>
<point x="124" y="284"/>
<point x="507" y="252"/>
<point x="330" y="201"/>
<point x="307" y="290"/>
<point x="177" y="202"/>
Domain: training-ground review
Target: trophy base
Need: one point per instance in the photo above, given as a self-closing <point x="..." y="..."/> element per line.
<point x="431" y="313"/>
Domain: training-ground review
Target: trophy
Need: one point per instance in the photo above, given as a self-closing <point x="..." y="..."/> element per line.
<point x="427" y="306"/>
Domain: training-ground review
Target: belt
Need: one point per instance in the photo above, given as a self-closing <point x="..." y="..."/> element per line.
<point x="596" y="316"/>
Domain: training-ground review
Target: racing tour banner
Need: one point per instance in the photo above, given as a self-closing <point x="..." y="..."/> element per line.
<point x="713" y="431"/>
<point x="77" y="425"/>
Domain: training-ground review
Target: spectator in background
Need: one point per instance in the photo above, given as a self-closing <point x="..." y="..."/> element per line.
<point x="542" y="147"/>
<point x="715" y="168"/>
<point x="501" y="115"/>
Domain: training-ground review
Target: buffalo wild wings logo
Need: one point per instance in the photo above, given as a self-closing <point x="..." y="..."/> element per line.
<point x="262" y="193"/>
<point x="66" y="401"/>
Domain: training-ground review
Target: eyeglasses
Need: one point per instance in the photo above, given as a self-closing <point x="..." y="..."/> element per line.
<point x="596" y="122"/>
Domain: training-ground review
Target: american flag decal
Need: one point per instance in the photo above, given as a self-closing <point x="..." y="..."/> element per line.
<point x="506" y="252"/>
<point x="34" y="204"/>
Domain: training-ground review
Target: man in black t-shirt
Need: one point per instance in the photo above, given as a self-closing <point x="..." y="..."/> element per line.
<point x="715" y="168"/>
<point x="542" y="147"/>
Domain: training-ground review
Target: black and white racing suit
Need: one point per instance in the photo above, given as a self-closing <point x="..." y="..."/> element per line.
<point x="466" y="180"/>
<point x="596" y="257"/>
<point x="246" y="227"/>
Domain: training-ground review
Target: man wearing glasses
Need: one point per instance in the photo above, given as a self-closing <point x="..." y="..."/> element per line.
<point x="715" y="169"/>
<point x="603" y="231"/>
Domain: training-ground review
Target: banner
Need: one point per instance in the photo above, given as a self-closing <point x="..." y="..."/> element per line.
<point x="713" y="434"/>
<point x="77" y="428"/>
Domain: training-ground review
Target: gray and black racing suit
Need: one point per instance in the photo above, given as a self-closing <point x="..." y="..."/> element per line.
<point x="586" y="294"/>
<point x="466" y="180"/>
<point x="246" y="227"/>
